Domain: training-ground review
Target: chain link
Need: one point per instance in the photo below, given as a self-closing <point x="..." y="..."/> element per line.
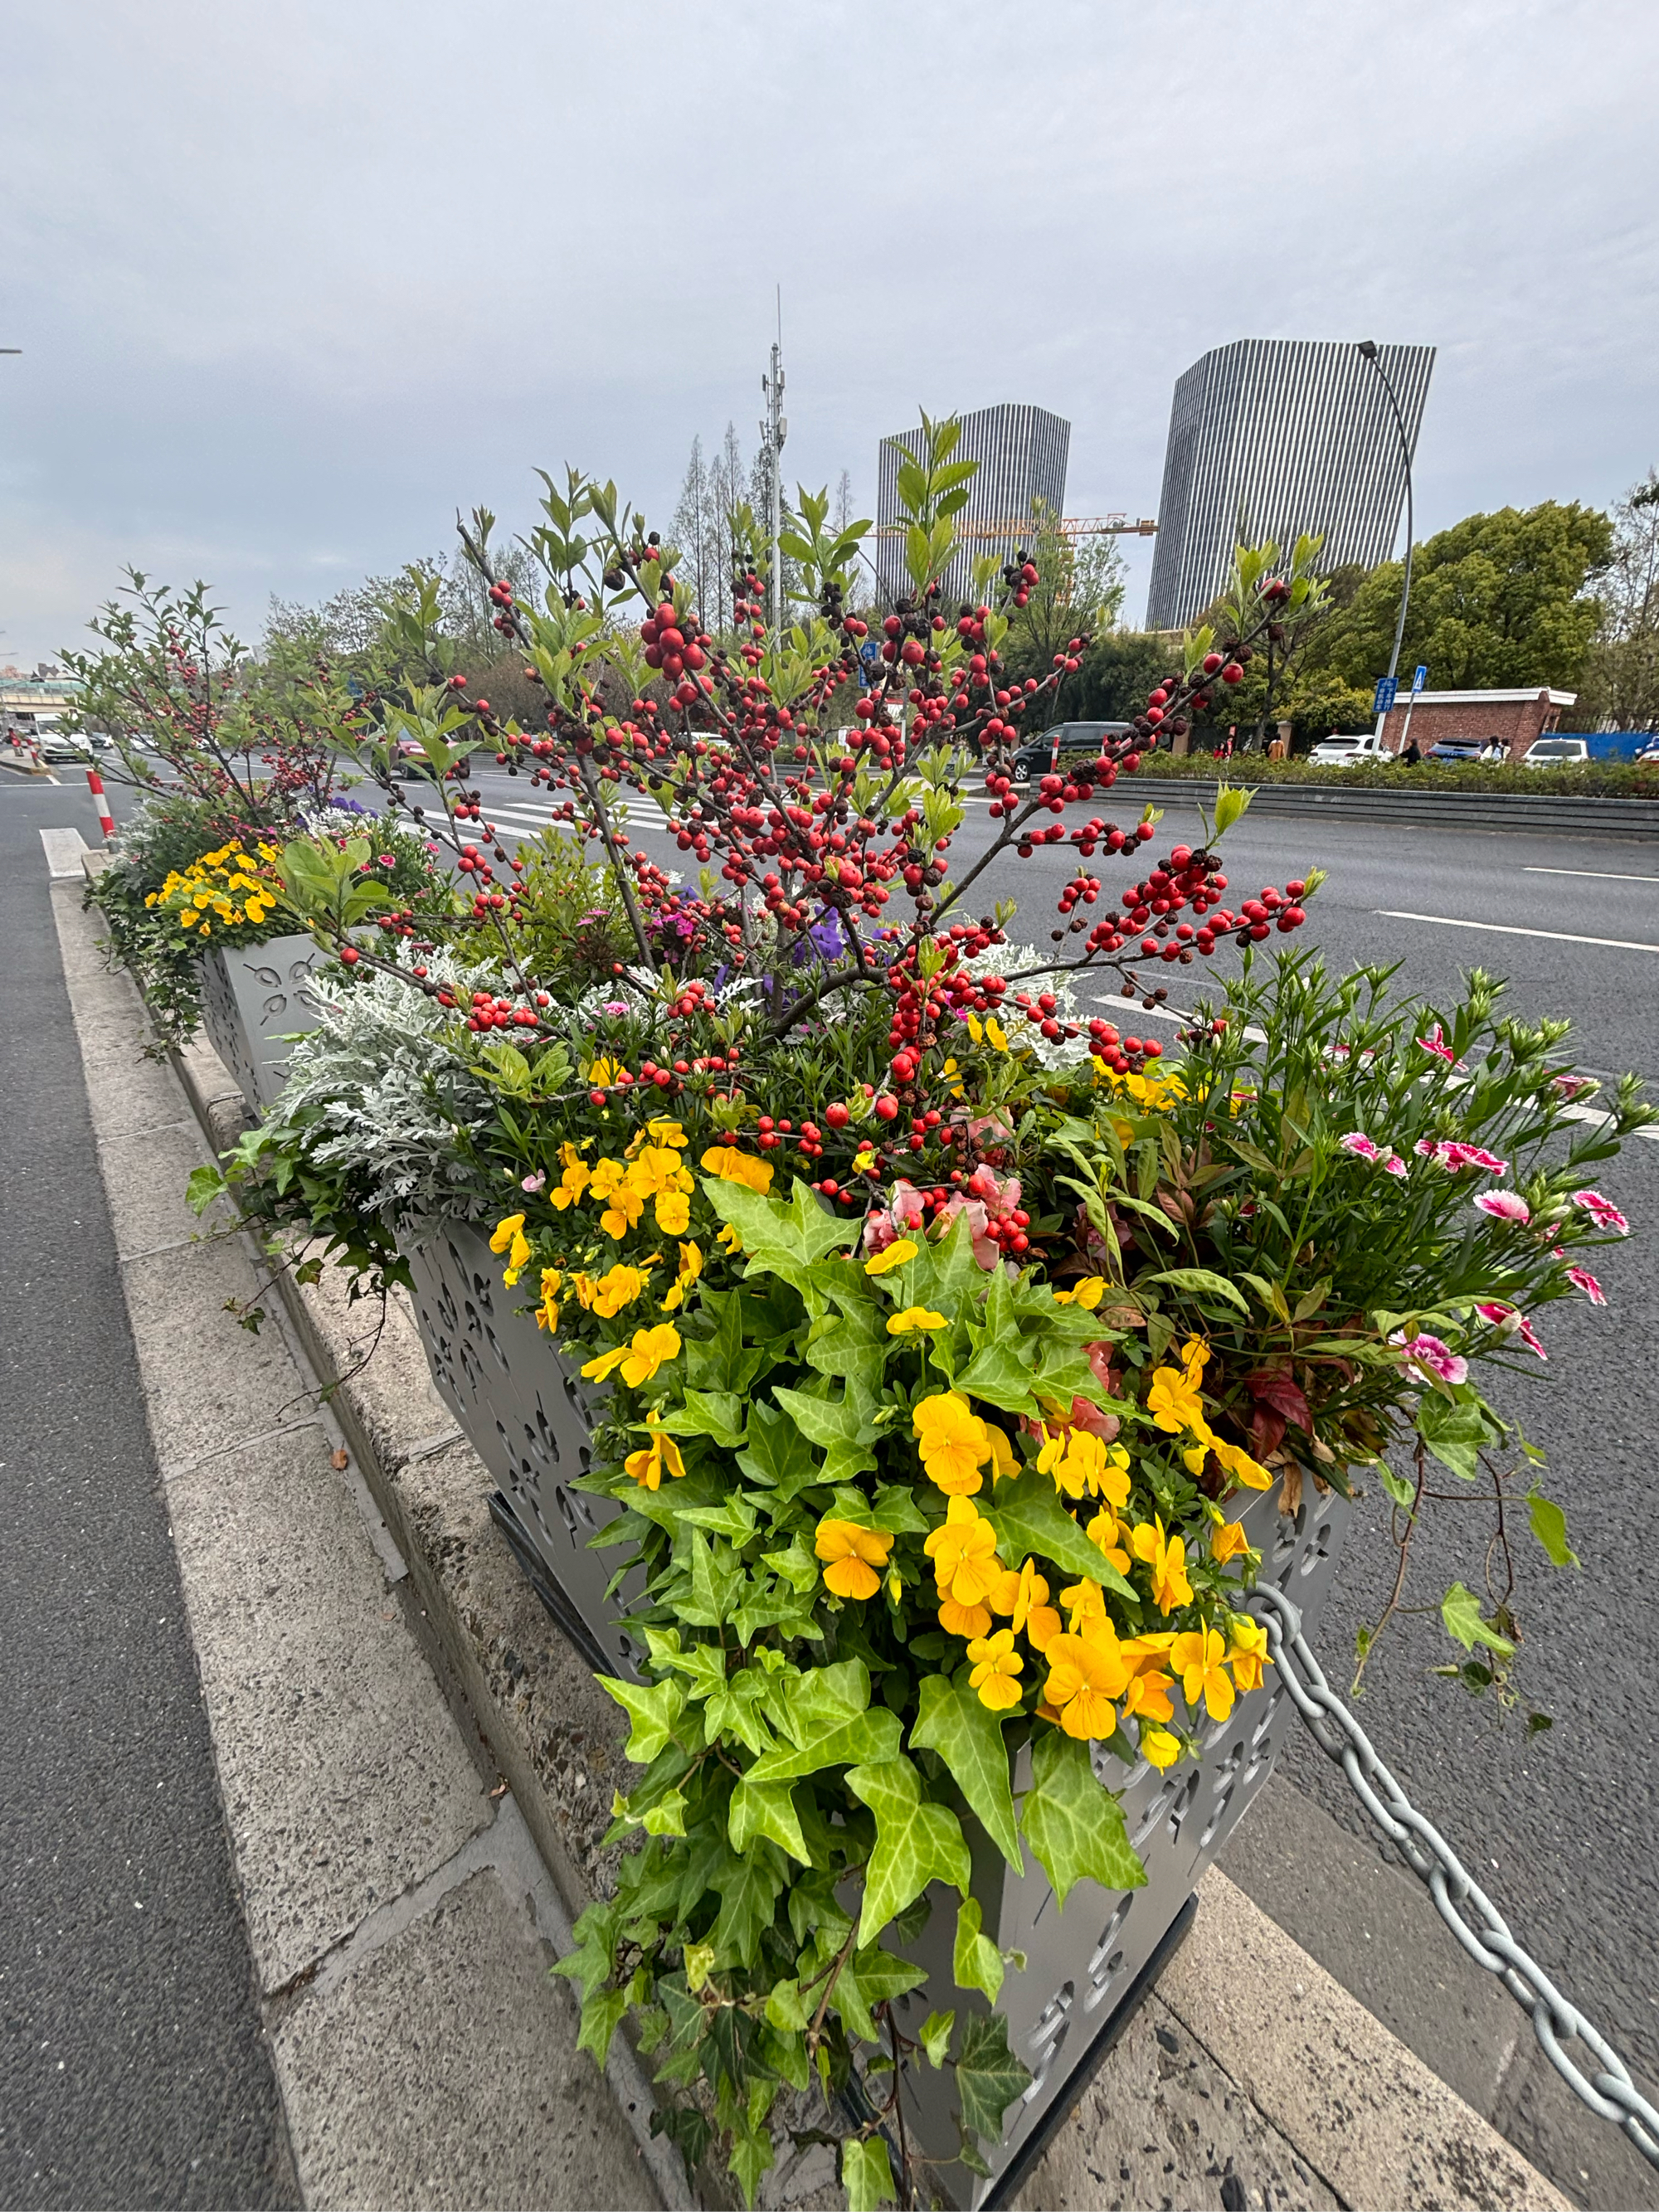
<point x="1461" y="1903"/>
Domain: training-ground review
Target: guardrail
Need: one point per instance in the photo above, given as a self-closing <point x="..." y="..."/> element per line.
<point x="1554" y="814"/>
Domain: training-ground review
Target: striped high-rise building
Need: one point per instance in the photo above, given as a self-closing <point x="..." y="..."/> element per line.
<point x="1022" y="453"/>
<point x="1269" y="438"/>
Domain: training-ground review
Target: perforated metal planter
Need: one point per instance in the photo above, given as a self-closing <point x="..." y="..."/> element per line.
<point x="528" y="1418"/>
<point x="1087" y="1967"/>
<point x="254" y="1001"/>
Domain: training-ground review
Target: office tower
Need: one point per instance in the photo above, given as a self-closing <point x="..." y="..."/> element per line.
<point x="1022" y="452"/>
<point x="1270" y="437"/>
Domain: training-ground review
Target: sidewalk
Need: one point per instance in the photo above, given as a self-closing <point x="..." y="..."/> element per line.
<point x="416" y="1771"/>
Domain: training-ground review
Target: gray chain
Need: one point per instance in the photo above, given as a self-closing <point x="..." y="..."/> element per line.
<point x="1461" y="1903"/>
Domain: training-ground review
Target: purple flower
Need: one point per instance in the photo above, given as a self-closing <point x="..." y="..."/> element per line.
<point x="1503" y="1205"/>
<point x="1582" y="1280"/>
<point x="1601" y="1211"/>
<point x="1439" y="1359"/>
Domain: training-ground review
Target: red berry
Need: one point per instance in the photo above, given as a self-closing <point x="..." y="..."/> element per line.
<point x="886" y="1107"/>
<point x="836" y="1115"/>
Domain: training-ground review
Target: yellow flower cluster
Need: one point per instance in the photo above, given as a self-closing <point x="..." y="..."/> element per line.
<point x="1174" y="1402"/>
<point x="956" y="1444"/>
<point x="221" y="890"/>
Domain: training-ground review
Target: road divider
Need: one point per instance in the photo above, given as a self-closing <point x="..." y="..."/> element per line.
<point x="1548" y="813"/>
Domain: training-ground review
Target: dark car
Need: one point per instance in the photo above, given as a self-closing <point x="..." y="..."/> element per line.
<point x="1077" y="741"/>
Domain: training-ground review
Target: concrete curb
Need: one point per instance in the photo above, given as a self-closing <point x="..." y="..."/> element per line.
<point x="1249" y="2070"/>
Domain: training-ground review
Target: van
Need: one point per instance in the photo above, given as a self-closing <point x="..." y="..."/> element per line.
<point x="1339" y="747"/>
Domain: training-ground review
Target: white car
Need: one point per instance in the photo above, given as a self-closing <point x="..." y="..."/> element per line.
<point x="1557" y="752"/>
<point x="1332" y="752"/>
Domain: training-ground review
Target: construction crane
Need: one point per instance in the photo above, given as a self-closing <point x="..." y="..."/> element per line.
<point x="1023" y="528"/>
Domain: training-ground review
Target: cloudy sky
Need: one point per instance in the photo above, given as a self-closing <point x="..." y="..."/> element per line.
<point x="293" y="281"/>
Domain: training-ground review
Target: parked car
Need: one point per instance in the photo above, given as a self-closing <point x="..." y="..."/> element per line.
<point x="1455" y="753"/>
<point x="411" y="761"/>
<point x="1348" y="745"/>
<point x="1557" y="752"/>
<point x="1077" y="741"/>
<point x="65" y="746"/>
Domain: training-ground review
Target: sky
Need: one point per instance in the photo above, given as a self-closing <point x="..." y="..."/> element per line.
<point x="294" y="283"/>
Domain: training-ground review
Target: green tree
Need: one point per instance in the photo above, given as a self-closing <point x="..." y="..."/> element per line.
<point x="1079" y="588"/>
<point x="1498" y="601"/>
<point x="1621" y="675"/>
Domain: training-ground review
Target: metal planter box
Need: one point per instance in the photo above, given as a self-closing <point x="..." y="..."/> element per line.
<point x="528" y="1418"/>
<point x="254" y="1001"/>
<point x="1086" y="1969"/>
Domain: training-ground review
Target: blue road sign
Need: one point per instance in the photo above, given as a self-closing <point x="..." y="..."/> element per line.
<point x="1420" y="680"/>
<point x="1386" y="688"/>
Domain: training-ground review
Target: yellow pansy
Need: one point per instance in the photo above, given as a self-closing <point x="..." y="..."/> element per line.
<point x="1239" y="1463"/>
<point x="1087" y="1294"/>
<point x="1159" y="1746"/>
<point x="914" y="1317"/>
<point x="1167" y="1558"/>
<point x="997" y="1667"/>
<point x="508" y="1236"/>
<point x="603" y="1073"/>
<point x="547" y="1314"/>
<point x="624" y="1210"/>
<point x="1086" y="1605"/>
<point x="733" y="1165"/>
<point x="660" y="1455"/>
<point x="1173" y="1398"/>
<point x="1004" y="1465"/>
<point x="962" y="1549"/>
<point x="657" y="1170"/>
<point x="728" y="1239"/>
<point x="673" y="1213"/>
<point x="1247" y="1653"/>
<point x="1106" y="1531"/>
<point x="1085" y="1675"/>
<point x="1083" y="1466"/>
<point x="854" y="1554"/>
<point x="1024" y="1596"/>
<point x="883" y="1263"/>
<point x="659" y="1132"/>
<point x="690" y="1269"/>
<point x="953" y="1443"/>
<point x="1147" y="1697"/>
<point x="1229" y="1541"/>
<point x="574" y="1180"/>
<point x="1197" y="1658"/>
<point x="614" y="1291"/>
<point x="651" y="1348"/>
<point x="608" y="1176"/>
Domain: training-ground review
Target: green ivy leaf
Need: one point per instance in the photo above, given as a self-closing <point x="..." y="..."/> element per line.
<point x="594" y="1959"/>
<point x="866" y="2173"/>
<point x="653" y="1711"/>
<point x="765" y="1809"/>
<point x="717" y="1413"/>
<point x="935" y="2036"/>
<point x="968" y="1737"/>
<point x="989" y="2075"/>
<point x="749" y="1883"/>
<point x="1460" y="1609"/>
<point x="717" y="1582"/>
<point x="1001" y="1373"/>
<point x="1073" y="1822"/>
<point x="601" y="2015"/>
<point x="1027" y="1516"/>
<point x="785" y="2009"/>
<point x="916" y="1842"/>
<point x="867" y="1979"/>
<point x="751" y="2154"/>
<point x="1549" y="1525"/>
<point x="827" y="1714"/>
<point x="776" y="1454"/>
<point x="975" y="1961"/>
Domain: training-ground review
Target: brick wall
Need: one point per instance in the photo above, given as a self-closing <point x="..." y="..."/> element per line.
<point x="1517" y="722"/>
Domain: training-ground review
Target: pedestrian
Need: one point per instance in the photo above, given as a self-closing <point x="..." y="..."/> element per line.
<point x="1412" y="757"/>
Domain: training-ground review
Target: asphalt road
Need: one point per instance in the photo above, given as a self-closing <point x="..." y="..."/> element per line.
<point x="133" y="2068"/>
<point x="1560" y="1826"/>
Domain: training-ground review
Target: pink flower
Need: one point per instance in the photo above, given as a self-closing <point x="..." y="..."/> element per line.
<point x="1513" y="1322"/>
<point x="1099" y="1357"/>
<point x="1085" y="1414"/>
<point x="1360" y="1145"/>
<point x="1435" y="1043"/>
<point x="1394" y="1165"/>
<point x="1569" y="1086"/>
<point x="986" y="1250"/>
<point x="1582" y="1280"/>
<point x="1439" y="1358"/>
<point x="1503" y="1205"/>
<point x="535" y="1182"/>
<point x="902" y="1214"/>
<point x="1448" y="1153"/>
<point x="1601" y="1211"/>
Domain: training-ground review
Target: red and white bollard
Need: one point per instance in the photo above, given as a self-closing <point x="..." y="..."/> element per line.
<point x="95" y="785"/>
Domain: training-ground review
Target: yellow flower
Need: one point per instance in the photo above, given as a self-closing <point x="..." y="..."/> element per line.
<point x="1248" y="1652"/>
<point x="666" y="1133"/>
<point x="1229" y="1541"/>
<point x="1173" y="1399"/>
<point x="690" y="1269"/>
<point x="603" y="1073"/>
<point x="967" y="1621"/>
<point x="1024" y="1596"/>
<point x="575" y="1180"/>
<point x="509" y="1238"/>
<point x="962" y="1549"/>
<point x="1105" y="1530"/>
<point x="854" y="1553"/>
<point x="673" y="1213"/>
<point x="1087" y="1294"/>
<point x="1003" y="1463"/>
<point x="1197" y="1657"/>
<point x="996" y="1666"/>
<point x="1085" y="1602"/>
<point x="651" y="1348"/>
<point x="660" y="1456"/>
<point x="1167" y="1558"/>
<point x="881" y="1263"/>
<point x="1085" y="1675"/>
<point x="547" y="1314"/>
<point x="728" y="1239"/>
<point x="624" y="1210"/>
<point x="1147" y="1697"/>
<point x="616" y="1289"/>
<point x="658" y="1170"/>
<point x="1239" y="1464"/>
<point x="608" y="1176"/>
<point x="913" y="1318"/>
<point x="953" y="1443"/>
<point x="732" y="1165"/>
<point x="1159" y="1746"/>
<point x="1081" y="1464"/>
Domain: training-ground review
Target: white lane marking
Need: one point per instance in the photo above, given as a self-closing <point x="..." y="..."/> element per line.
<point x="1514" y="929"/>
<point x="1602" y="875"/>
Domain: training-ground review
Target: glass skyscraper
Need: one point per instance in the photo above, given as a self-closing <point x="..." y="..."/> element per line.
<point x="1022" y="453"/>
<point x="1268" y="438"/>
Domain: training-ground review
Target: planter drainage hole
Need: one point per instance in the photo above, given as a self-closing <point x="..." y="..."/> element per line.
<point x="1048" y="2039"/>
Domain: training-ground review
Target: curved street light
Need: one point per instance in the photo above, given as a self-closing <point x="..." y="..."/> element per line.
<point x="1369" y="351"/>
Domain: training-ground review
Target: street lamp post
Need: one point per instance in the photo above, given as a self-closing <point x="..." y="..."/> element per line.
<point x="1368" y="350"/>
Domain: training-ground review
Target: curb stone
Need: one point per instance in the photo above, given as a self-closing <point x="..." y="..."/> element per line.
<point x="1251" y="2077"/>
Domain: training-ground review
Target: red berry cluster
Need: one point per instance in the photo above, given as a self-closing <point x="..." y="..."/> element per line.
<point x="680" y="649"/>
